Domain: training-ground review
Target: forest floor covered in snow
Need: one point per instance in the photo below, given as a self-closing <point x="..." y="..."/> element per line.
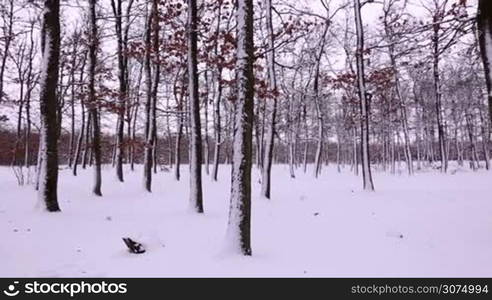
<point x="426" y="225"/>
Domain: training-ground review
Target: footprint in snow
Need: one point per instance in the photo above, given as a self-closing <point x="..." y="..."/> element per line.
<point x="394" y="234"/>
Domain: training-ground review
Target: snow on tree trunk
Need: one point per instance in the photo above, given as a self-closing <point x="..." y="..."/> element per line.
<point x="48" y="160"/>
<point x="196" y="195"/>
<point x="364" y="105"/>
<point x="484" y="21"/>
<point x="217" y="127"/>
<point x="83" y="130"/>
<point x="317" y="102"/>
<point x="72" y="107"/>
<point x="93" y="106"/>
<point x="150" y="103"/>
<point x="88" y="136"/>
<point x="30" y="85"/>
<point x="217" y="119"/>
<point x="239" y="226"/>
<point x="122" y="90"/>
<point x="179" y="134"/>
<point x="155" y="84"/>
<point x="206" y="148"/>
<point x="272" y="85"/>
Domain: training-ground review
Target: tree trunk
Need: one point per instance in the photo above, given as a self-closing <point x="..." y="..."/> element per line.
<point x="155" y="84"/>
<point x="484" y="21"/>
<point x="206" y="147"/>
<point x="8" y="39"/>
<point x="30" y="87"/>
<point x="196" y="195"/>
<point x="363" y="97"/>
<point x="403" y="112"/>
<point x="72" y="105"/>
<point x="179" y="133"/>
<point x="217" y="127"/>
<point x="238" y="231"/>
<point x="484" y="127"/>
<point x="82" y="132"/>
<point x="134" y="114"/>
<point x="87" y="141"/>
<point x="290" y="136"/>
<point x="50" y="45"/>
<point x="272" y="85"/>
<point x="438" y="99"/>
<point x="93" y="105"/>
<point x="122" y="80"/>
<point x="217" y="99"/>
<point x="150" y="103"/>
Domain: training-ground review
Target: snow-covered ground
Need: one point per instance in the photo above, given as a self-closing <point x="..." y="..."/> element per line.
<point x="427" y="225"/>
